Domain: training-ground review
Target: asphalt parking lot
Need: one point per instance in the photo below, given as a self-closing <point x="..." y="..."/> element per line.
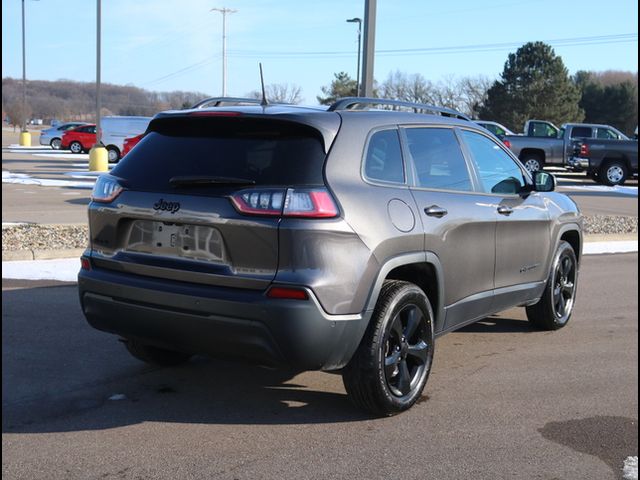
<point x="503" y="401"/>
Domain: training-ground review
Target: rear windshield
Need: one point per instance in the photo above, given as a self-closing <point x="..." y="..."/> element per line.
<point x="267" y="152"/>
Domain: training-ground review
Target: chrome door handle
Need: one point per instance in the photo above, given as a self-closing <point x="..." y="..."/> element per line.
<point x="435" y="211"/>
<point x="503" y="210"/>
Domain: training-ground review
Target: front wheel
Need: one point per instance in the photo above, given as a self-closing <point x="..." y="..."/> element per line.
<point x="390" y="367"/>
<point x="75" y="147"/>
<point x="554" y="308"/>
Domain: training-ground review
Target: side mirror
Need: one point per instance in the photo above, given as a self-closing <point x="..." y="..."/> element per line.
<point x="544" y="182"/>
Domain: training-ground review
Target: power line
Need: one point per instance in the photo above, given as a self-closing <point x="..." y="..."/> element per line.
<point x="576" y="41"/>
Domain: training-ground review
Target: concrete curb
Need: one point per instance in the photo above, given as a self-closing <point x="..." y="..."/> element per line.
<point x="42" y="254"/>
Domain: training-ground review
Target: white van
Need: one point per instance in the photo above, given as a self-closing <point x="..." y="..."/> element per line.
<point x="116" y="129"/>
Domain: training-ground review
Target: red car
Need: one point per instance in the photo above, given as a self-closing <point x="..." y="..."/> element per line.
<point x="79" y="139"/>
<point x="129" y="143"/>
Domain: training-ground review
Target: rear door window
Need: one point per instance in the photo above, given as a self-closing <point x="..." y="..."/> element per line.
<point x="581" y="132"/>
<point x="260" y="151"/>
<point x="383" y="161"/>
<point x="438" y="159"/>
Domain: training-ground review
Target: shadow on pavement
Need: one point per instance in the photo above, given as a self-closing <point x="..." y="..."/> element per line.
<point x="498" y="325"/>
<point x="59" y="373"/>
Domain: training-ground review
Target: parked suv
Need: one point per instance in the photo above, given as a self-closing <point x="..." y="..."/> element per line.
<point x="345" y="239"/>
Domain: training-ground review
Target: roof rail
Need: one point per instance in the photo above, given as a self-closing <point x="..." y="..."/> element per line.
<point x="351" y="103"/>
<point x="220" y="101"/>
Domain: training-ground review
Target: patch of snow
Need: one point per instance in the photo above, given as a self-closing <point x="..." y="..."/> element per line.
<point x="118" y="396"/>
<point x="12" y="224"/>
<point x="74" y="156"/>
<point x="23" y="179"/>
<point x="65" y="270"/>
<point x="630" y="469"/>
<point x="633" y="191"/>
<point x="19" y="147"/>
<point x="595" y="248"/>
<point x="79" y="174"/>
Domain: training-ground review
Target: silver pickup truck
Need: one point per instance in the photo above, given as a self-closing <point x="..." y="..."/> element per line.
<point x="544" y="144"/>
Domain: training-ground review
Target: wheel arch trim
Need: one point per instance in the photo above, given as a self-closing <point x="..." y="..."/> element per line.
<point x="410" y="259"/>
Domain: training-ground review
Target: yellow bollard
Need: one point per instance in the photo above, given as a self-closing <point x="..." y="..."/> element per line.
<point x="25" y="139"/>
<point x="98" y="159"/>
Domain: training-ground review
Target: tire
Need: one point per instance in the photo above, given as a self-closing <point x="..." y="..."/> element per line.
<point x="554" y="309"/>
<point x="533" y="162"/>
<point x="154" y="355"/>
<point x="613" y="173"/>
<point x="390" y="368"/>
<point x="55" y="143"/>
<point x="76" y="147"/>
<point x="113" y="154"/>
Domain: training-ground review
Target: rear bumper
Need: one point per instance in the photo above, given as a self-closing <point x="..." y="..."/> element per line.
<point x="220" y="321"/>
<point x="45" y="140"/>
<point x="578" y="162"/>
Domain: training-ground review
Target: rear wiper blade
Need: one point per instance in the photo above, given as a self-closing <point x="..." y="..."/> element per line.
<point x="199" y="180"/>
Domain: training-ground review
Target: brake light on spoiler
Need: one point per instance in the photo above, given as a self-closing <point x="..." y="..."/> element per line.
<point x="290" y="202"/>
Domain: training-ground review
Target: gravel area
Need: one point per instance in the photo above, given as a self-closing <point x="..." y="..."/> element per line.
<point x="43" y="237"/>
<point x="53" y="237"/>
<point x="610" y="224"/>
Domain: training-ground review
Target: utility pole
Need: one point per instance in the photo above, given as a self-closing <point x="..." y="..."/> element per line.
<point x="359" y="22"/>
<point x="368" y="52"/>
<point x="25" y="137"/>
<point x="224" y="12"/>
<point x="98" y="99"/>
<point x="98" y="156"/>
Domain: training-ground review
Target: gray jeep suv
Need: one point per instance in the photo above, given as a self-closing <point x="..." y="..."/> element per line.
<point x="345" y="239"/>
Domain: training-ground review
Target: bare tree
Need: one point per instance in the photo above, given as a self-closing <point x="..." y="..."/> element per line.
<point x="407" y="87"/>
<point x="280" y="93"/>
<point x="17" y="115"/>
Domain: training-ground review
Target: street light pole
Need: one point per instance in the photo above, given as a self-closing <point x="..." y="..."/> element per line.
<point x="98" y="99"/>
<point x="224" y="12"/>
<point x="24" y="78"/>
<point x="359" y="22"/>
<point x="98" y="155"/>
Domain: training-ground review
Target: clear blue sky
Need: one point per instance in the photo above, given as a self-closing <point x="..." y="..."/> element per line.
<point x="176" y="45"/>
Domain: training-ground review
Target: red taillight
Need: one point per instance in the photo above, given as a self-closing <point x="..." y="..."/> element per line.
<point x="292" y="202"/>
<point x="507" y="143"/>
<point x="288" y="293"/>
<point x="215" y="114"/>
<point x="584" y="150"/>
<point x="85" y="263"/>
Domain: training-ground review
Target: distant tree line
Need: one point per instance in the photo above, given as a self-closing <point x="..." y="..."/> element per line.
<point x="68" y="100"/>
<point x="534" y="84"/>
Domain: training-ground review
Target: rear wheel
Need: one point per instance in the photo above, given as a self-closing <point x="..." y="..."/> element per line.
<point x="75" y="147"/>
<point x="390" y="368"/>
<point x="154" y="355"/>
<point x="113" y="154"/>
<point x="533" y="162"/>
<point x="613" y="173"/>
<point x="554" y="308"/>
<point x="55" y="143"/>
